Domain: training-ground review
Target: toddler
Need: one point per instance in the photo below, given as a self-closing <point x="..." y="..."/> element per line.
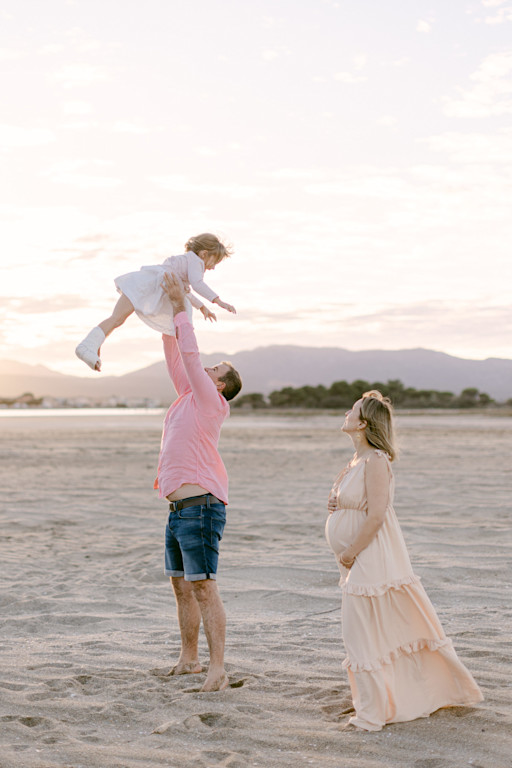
<point x="142" y="292"/>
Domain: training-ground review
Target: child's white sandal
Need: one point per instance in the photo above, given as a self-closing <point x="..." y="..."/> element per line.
<point x="87" y="350"/>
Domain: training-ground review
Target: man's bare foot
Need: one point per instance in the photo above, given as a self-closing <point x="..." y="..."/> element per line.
<point x="186" y="668"/>
<point x="215" y="682"/>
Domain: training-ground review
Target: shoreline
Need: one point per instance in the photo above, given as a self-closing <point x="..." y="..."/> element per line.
<point x="242" y="412"/>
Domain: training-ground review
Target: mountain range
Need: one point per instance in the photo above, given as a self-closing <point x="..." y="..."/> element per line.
<point x="268" y="368"/>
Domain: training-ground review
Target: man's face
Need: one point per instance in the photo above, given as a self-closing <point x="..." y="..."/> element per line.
<point x="216" y="373"/>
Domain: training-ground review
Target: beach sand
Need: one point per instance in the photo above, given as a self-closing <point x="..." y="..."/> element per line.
<point x="88" y="623"/>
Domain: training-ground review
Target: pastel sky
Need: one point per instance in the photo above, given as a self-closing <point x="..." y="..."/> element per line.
<point x="357" y="154"/>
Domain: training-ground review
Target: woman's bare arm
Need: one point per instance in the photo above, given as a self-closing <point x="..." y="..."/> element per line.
<point x="377" y="479"/>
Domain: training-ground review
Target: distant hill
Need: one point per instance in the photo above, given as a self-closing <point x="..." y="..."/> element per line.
<point x="267" y="368"/>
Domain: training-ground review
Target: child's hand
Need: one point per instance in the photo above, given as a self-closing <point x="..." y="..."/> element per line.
<point x="207" y="314"/>
<point x="228" y="307"/>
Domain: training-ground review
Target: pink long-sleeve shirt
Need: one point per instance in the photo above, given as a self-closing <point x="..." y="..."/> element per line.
<point x="189" y="451"/>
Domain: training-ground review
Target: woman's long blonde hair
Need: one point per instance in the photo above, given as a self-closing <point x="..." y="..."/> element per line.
<point x="377" y="413"/>
<point x="210" y="243"/>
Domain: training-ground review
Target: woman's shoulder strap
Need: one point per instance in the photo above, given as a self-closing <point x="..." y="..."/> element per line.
<point x="379" y="456"/>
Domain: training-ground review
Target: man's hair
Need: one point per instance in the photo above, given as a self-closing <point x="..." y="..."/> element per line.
<point x="232" y="381"/>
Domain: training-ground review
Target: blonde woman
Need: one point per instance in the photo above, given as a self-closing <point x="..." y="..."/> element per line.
<point x="142" y="292"/>
<point x="399" y="661"/>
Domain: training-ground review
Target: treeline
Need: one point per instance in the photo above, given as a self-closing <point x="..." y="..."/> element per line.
<point x="343" y="394"/>
<point x="27" y="398"/>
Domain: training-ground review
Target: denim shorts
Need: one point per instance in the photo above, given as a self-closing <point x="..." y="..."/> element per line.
<point x="192" y="538"/>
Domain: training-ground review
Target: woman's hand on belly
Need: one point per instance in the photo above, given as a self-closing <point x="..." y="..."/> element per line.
<point x="332" y="503"/>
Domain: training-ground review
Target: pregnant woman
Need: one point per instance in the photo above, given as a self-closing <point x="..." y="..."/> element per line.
<point x="399" y="661"/>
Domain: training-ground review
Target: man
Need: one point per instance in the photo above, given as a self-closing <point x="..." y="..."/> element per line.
<point x="192" y="476"/>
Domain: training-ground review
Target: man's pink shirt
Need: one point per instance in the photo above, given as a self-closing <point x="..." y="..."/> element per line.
<point x="189" y="451"/>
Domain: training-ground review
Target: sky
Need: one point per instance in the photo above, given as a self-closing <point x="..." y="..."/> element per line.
<point x="357" y="155"/>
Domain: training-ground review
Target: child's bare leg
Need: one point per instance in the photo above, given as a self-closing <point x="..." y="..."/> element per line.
<point x="89" y="348"/>
<point x="122" y="310"/>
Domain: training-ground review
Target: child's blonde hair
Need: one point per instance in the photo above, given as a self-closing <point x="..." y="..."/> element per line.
<point x="210" y="243"/>
<point x="377" y="413"/>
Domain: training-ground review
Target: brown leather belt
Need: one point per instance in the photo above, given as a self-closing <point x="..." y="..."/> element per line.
<point x="194" y="501"/>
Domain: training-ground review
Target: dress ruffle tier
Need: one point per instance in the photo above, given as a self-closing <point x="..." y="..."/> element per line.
<point x="400" y="664"/>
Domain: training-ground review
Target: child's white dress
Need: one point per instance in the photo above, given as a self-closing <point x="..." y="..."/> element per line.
<point x="151" y="303"/>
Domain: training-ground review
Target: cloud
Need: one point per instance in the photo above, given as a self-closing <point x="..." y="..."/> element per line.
<point x="11" y="54"/>
<point x="387" y="120"/>
<point x="436" y="317"/>
<point x="16" y="136"/>
<point x="474" y="148"/>
<point x="132" y="126"/>
<point x="501" y="16"/>
<point x="29" y="306"/>
<point x="80" y="75"/>
<point x="402" y="62"/>
<point x="277" y="52"/>
<point x="297" y="174"/>
<point x="348" y="77"/>
<point x="206" y="152"/>
<point x="179" y="183"/>
<point x="364" y="181"/>
<point x="77" y="108"/>
<point x="491" y="94"/>
<point x="441" y="324"/>
<point x="423" y="26"/>
<point x="72" y="174"/>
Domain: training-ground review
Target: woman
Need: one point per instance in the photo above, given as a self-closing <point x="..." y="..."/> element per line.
<point x="400" y="663"/>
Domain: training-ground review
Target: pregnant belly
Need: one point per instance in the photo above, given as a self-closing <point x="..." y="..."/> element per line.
<point x="341" y="528"/>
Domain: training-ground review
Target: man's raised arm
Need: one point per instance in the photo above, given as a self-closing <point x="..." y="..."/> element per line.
<point x="175" y="365"/>
<point x="202" y="386"/>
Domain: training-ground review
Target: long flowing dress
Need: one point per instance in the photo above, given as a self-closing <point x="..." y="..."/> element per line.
<point x="399" y="661"/>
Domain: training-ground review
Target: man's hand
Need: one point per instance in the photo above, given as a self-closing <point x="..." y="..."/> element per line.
<point x="174" y="290"/>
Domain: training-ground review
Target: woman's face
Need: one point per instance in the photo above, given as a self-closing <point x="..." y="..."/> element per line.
<point x="353" y="421"/>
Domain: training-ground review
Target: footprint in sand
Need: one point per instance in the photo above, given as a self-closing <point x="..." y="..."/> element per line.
<point x="12" y="686"/>
<point x="207" y="720"/>
<point x="234" y="684"/>
<point x="30" y="722"/>
<point x="225" y="759"/>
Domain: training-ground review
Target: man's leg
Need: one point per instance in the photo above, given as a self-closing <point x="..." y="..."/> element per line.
<point x="214" y="623"/>
<point x="189" y="618"/>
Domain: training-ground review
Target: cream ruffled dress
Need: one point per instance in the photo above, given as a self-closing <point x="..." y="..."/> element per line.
<point x="399" y="661"/>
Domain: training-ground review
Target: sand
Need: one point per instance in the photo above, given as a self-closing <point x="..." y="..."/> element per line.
<point x="88" y="622"/>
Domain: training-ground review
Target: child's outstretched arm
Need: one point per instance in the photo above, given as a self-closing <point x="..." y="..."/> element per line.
<point x="198" y="304"/>
<point x="224" y="305"/>
<point x="208" y="314"/>
<point x="195" y="278"/>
